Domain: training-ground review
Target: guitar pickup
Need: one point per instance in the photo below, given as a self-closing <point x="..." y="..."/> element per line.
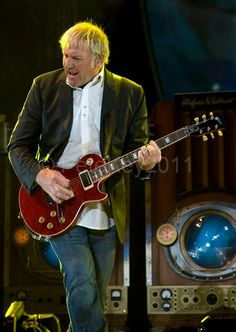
<point x="86" y="180"/>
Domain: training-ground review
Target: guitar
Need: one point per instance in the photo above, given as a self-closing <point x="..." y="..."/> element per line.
<point x="44" y="218"/>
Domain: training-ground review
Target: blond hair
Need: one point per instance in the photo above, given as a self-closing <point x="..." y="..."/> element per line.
<point x="87" y="33"/>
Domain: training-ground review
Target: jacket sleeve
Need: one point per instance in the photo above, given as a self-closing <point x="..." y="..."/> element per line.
<point x="23" y="143"/>
<point x="138" y="129"/>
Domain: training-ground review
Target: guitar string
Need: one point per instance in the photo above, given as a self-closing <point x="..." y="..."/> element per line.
<point x="96" y="174"/>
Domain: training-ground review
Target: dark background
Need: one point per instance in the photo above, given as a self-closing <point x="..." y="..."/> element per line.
<point x="166" y="51"/>
<point x="29" y="33"/>
<point x="167" y="46"/>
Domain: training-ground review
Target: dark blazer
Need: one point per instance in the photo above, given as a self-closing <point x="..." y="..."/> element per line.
<point x="44" y="124"/>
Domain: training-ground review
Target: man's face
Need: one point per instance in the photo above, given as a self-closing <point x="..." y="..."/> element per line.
<point x="80" y="65"/>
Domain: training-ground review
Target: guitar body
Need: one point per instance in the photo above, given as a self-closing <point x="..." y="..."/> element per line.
<point x="45" y="218"/>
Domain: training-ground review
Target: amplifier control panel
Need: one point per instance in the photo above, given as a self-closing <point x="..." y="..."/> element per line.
<point x="190" y="299"/>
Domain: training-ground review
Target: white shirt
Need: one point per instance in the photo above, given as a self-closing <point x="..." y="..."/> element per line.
<point x="85" y="138"/>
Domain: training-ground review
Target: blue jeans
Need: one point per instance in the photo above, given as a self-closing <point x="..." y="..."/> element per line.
<point x="86" y="258"/>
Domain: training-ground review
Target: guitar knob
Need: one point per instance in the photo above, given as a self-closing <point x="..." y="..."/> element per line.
<point x="212" y="135"/>
<point x="53" y="213"/>
<point x="205" y="138"/>
<point x="220" y="133"/>
<point x="50" y="225"/>
<point x="41" y="220"/>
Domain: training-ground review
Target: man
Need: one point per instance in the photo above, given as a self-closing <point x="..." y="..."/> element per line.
<point x="68" y="113"/>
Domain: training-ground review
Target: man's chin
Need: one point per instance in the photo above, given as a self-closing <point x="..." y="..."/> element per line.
<point x="72" y="80"/>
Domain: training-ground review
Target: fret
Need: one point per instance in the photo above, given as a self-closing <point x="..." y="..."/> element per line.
<point x="114" y="166"/>
<point x="94" y="176"/>
<point x="122" y="162"/>
<point x="172" y="138"/>
<point x="108" y="168"/>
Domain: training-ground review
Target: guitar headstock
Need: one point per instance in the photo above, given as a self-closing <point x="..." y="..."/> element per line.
<point x="207" y="126"/>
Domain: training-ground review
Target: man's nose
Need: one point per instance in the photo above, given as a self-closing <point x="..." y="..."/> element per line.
<point x="69" y="63"/>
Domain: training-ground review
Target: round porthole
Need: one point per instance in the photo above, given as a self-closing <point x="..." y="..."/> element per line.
<point x="206" y="246"/>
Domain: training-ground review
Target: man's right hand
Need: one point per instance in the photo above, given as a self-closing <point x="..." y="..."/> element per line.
<point x="54" y="184"/>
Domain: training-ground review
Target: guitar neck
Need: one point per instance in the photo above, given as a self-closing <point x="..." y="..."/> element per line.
<point x="131" y="158"/>
<point x="174" y="137"/>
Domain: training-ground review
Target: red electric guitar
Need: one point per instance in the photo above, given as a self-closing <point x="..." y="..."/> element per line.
<point x="43" y="218"/>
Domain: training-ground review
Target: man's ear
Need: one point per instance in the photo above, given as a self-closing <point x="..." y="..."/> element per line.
<point x="99" y="60"/>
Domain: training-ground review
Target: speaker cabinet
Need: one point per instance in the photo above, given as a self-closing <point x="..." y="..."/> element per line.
<point x="191" y="213"/>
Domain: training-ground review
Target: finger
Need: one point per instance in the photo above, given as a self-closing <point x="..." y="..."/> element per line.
<point x="62" y="180"/>
<point x="62" y="193"/>
<point x="66" y="193"/>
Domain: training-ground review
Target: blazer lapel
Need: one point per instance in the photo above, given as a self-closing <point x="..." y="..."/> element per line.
<point x="66" y="103"/>
<point x="65" y="95"/>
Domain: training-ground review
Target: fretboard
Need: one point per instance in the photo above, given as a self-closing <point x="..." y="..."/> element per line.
<point x="131" y="158"/>
<point x="174" y="137"/>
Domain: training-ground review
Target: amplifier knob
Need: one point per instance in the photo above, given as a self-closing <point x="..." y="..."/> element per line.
<point x="211" y="298"/>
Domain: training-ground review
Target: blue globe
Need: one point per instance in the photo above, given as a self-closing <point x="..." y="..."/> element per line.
<point x="210" y="241"/>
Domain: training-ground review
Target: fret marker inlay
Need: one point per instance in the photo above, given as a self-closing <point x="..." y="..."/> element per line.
<point x="167" y="140"/>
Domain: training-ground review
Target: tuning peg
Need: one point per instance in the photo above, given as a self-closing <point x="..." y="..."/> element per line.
<point x="220" y="133"/>
<point x="196" y="119"/>
<point x="205" y="138"/>
<point x="204" y="117"/>
<point x="212" y="135"/>
<point x="211" y="114"/>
